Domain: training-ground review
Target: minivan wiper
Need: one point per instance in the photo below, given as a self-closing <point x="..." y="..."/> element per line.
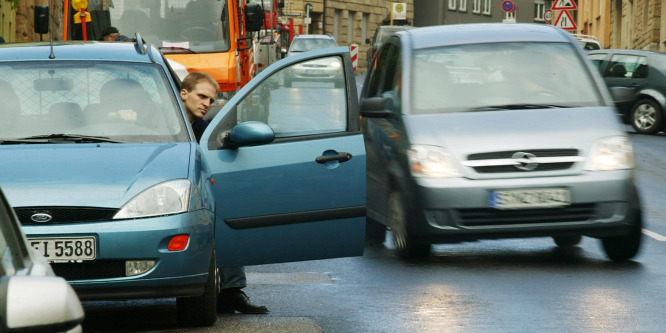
<point x="523" y="106"/>
<point x="50" y="138"/>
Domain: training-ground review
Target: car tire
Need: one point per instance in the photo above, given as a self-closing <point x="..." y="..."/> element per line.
<point x="375" y="232"/>
<point x="405" y="245"/>
<point x="201" y="310"/>
<point x="625" y="247"/>
<point x="646" y="117"/>
<point x="567" y="241"/>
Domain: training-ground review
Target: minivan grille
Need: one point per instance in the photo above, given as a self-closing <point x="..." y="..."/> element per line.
<point x="61" y="215"/>
<point x="496" y="217"/>
<point x="539" y="160"/>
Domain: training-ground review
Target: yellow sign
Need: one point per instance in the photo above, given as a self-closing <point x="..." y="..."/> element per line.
<point x="78" y="4"/>
<point x="77" y="17"/>
<point x="399" y="11"/>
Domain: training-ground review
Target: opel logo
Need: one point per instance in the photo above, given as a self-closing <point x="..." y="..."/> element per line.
<point x="525" y="161"/>
<point x="41" y="217"/>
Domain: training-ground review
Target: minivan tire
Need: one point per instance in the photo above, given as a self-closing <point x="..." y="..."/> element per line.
<point x="646" y="117"/>
<point x="201" y="310"/>
<point x="405" y="245"/>
<point x="625" y="247"/>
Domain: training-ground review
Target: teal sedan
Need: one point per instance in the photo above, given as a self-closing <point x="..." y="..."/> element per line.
<point x="133" y="207"/>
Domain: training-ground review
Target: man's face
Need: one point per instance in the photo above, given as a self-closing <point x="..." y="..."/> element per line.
<point x="198" y="101"/>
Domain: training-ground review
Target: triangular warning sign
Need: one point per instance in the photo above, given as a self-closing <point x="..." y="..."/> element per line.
<point x="565" y="21"/>
<point x="564" y="5"/>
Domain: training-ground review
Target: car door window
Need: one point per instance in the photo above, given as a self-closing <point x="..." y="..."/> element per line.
<point x="597" y="60"/>
<point x="624" y="65"/>
<point x="302" y="99"/>
<point x="381" y="71"/>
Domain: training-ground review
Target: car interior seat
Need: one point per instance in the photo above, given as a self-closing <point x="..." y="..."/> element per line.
<point x="617" y="70"/>
<point x="65" y="116"/>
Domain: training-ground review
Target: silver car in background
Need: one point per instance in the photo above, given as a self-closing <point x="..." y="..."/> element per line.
<point x="485" y="131"/>
<point x="32" y="298"/>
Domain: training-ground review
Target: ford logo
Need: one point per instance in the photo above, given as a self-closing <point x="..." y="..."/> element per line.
<point x="41" y="217"/>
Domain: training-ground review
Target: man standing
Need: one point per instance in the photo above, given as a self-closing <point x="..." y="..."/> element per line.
<point x="198" y="91"/>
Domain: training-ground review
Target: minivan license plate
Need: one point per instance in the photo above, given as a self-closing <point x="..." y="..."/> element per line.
<point x="529" y="198"/>
<point x="65" y="249"/>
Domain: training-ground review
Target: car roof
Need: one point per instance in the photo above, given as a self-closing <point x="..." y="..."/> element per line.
<point x="442" y="35"/>
<point x="76" y="50"/>
<point x="314" y="36"/>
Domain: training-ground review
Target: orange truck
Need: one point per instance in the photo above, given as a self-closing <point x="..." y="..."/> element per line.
<point x="212" y="36"/>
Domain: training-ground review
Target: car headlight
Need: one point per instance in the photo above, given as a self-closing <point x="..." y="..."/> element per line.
<point x="166" y="198"/>
<point x="432" y="161"/>
<point x="611" y="153"/>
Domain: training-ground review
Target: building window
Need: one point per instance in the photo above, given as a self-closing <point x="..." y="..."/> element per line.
<point x="463" y="6"/>
<point x="364" y="27"/>
<point x="539" y="9"/>
<point x="350" y="27"/>
<point x="476" y="6"/>
<point x="486" y="7"/>
<point x="452" y="4"/>
<point x="336" y="23"/>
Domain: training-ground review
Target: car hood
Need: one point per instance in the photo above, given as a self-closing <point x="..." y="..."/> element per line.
<point x="465" y="133"/>
<point x="91" y="175"/>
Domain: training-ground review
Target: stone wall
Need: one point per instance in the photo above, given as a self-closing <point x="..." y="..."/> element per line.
<point x="24" y="23"/>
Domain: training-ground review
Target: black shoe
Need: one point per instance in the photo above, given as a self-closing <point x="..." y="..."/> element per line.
<point x="232" y="300"/>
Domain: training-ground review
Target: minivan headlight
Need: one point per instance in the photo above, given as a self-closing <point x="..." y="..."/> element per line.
<point x="432" y="161"/>
<point x="611" y="153"/>
<point x="166" y="198"/>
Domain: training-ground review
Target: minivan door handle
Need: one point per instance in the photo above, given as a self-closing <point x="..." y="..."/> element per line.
<point x="341" y="157"/>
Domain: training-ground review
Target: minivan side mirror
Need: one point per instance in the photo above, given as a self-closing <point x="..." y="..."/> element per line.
<point x="250" y="133"/>
<point x="39" y="304"/>
<point x="377" y="107"/>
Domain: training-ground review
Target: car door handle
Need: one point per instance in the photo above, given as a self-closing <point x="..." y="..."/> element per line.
<point x="341" y="157"/>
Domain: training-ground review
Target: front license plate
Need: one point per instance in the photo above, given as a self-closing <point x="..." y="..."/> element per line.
<point x="529" y="198"/>
<point x="65" y="249"/>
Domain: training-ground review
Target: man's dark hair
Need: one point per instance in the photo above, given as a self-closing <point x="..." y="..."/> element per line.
<point x="108" y="31"/>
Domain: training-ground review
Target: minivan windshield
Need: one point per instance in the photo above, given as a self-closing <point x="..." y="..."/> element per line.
<point x="498" y="76"/>
<point x="87" y="101"/>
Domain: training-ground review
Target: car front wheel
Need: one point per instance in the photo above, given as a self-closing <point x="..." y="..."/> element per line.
<point x="625" y="247"/>
<point x="201" y="310"/>
<point x="646" y="117"/>
<point x="406" y="246"/>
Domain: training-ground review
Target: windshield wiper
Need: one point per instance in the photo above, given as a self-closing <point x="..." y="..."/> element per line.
<point x="176" y="49"/>
<point x="524" y="106"/>
<point x="50" y="138"/>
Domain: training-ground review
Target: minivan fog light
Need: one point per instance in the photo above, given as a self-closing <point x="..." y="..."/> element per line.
<point x="136" y="267"/>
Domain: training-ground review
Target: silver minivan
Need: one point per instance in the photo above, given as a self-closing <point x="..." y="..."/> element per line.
<point x="485" y="131"/>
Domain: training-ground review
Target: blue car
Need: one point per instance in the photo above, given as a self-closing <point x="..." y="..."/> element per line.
<point x="133" y="207"/>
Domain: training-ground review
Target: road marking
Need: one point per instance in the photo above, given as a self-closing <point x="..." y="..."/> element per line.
<point x="654" y="235"/>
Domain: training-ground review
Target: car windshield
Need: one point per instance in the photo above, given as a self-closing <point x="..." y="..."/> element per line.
<point x="198" y="26"/>
<point x="309" y="44"/>
<point x="497" y="76"/>
<point x="87" y="101"/>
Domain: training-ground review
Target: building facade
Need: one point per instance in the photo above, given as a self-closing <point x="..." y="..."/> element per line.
<point x="436" y="12"/>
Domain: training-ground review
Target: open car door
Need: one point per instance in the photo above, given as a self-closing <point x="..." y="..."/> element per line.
<point x="287" y="162"/>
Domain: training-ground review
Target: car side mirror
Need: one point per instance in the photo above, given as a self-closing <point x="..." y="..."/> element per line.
<point x="39" y="304"/>
<point x="250" y="133"/>
<point x="377" y="107"/>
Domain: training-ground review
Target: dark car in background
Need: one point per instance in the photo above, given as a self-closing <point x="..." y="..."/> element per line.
<point x="521" y="139"/>
<point x="642" y="72"/>
<point x="381" y="34"/>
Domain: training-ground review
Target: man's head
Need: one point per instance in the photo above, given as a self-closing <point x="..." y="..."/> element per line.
<point x="198" y="94"/>
<point x="109" y="34"/>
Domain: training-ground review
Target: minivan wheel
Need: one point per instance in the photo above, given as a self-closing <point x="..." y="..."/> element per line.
<point x="201" y="310"/>
<point x="567" y="241"/>
<point x="646" y="117"/>
<point x="405" y="245"/>
<point x="625" y="247"/>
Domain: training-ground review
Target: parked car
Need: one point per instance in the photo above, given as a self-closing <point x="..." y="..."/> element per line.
<point x="33" y="298"/>
<point x="132" y="207"/>
<point x="304" y="43"/>
<point x="381" y="34"/>
<point x="588" y="42"/>
<point x="533" y="149"/>
<point x="644" y="73"/>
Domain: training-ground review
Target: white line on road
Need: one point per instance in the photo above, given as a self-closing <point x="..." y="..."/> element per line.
<point x="654" y="235"/>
